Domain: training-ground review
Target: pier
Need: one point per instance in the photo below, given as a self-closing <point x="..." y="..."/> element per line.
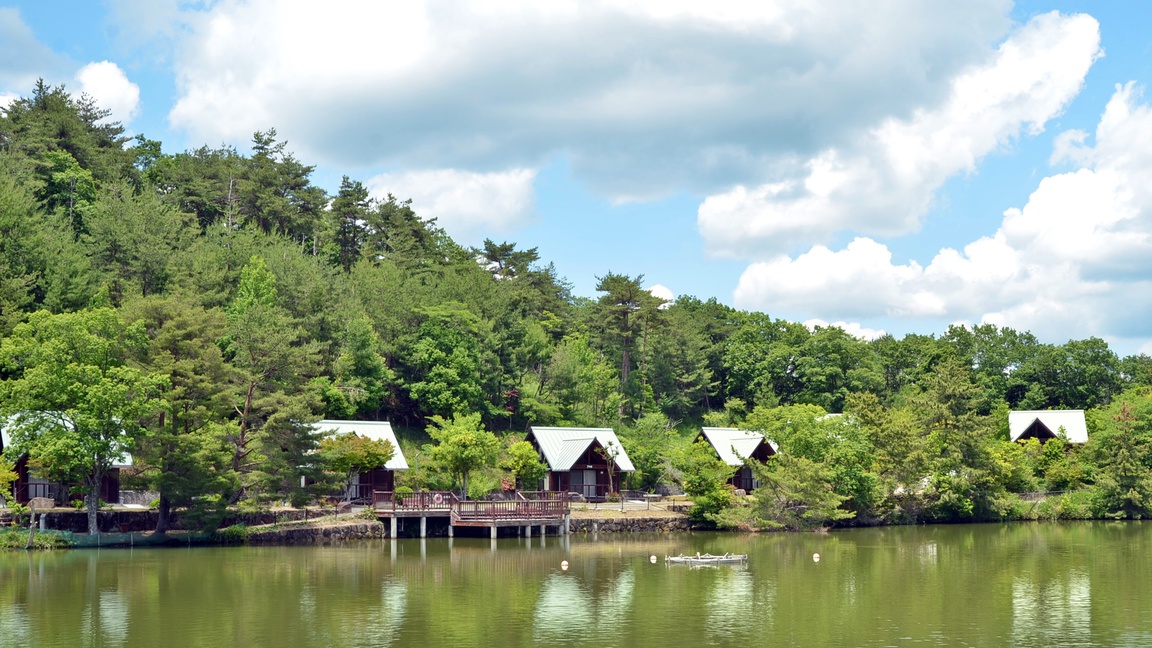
<point x="526" y="509"/>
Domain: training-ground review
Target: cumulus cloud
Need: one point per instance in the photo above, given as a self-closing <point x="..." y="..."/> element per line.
<point x="464" y="203"/>
<point x="1075" y="261"/>
<point x="749" y="89"/>
<point x="884" y="181"/>
<point x="109" y="86"/>
<point x="851" y="328"/>
<point x="661" y="291"/>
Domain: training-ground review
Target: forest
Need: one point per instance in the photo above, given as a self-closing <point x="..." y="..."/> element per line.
<point x="203" y="309"/>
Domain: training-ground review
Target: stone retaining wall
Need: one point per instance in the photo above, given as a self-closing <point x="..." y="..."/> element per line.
<point x="317" y="535"/>
<point x="629" y="525"/>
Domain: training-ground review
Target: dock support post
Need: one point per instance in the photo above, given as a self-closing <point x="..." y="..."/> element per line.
<point x="392" y="530"/>
<point x="543" y="530"/>
<point x="451" y="530"/>
<point x="567" y="524"/>
<point x="493" y="531"/>
<point x="423" y="526"/>
<point x="528" y="532"/>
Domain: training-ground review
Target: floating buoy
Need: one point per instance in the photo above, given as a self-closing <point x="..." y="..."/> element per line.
<point x="815" y="557"/>
<point x="564" y="565"/>
<point x="652" y="559"/>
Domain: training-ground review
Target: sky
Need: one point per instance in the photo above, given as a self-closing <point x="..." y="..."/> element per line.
<point x="895" y="166"/>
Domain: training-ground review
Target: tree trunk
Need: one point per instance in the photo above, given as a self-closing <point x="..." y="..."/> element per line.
<point x="93" y="501"/>
<point x="162" y="514"/>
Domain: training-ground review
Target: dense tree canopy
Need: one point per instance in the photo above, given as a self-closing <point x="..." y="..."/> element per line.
<point x="248" y="303"/>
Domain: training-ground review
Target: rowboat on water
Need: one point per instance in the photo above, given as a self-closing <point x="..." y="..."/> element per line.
<point x="707" y="559"/>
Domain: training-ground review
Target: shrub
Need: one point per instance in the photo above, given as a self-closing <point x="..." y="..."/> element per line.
<point x="237" y="534"/>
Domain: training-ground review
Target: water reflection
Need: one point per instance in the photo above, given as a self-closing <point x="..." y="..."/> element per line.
<point x="979" y="585"/>
<point x="734" y="609"/>
<point x="1056" y="612"/>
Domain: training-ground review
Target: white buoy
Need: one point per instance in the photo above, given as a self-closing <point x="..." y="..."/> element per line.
<point x="564" y="565"/>
<point x="815" y="557"/>
<point x="652" y="559"/>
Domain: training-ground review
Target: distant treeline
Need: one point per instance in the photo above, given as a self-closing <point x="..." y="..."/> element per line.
<point x="226" y="303"/>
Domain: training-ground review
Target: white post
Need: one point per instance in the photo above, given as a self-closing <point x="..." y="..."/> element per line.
<point x="528" y="532"/>
<point x="493" y="531"/>
<point x="423" y="526"/>
<point x="393" y="527"/>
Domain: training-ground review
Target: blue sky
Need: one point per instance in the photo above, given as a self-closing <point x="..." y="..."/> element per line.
<point x="896" y="169"/>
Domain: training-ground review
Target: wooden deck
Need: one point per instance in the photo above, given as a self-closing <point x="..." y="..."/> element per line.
<point x="526" y="509"/>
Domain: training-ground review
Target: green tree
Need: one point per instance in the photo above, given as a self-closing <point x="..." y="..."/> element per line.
<point x="796" y="494"/>
<point x="1121" y="449"/>
<point x="181" y="454"/>
<point x="348" y="213"/>
<point x="522" y="460"/>
<point x="462" y="446"/>
<point x="273" y="436"/>
<point x="704" y="478"/>
<point x="73" y="403"/>
<point x="351" y="454"/>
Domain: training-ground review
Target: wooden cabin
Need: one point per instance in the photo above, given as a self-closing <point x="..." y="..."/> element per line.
<point x="734" y="446"/>
<point x="380" y="478"/>
<point x="580" y="460"/>
<point x="1043" y="425"/>
<point x="28" y="486"/>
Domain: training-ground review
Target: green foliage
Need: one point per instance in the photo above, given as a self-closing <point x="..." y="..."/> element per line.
<point x="1122" y="448"/>
<point x="796" y="494"/>
<point x="648" y="443"/>
<point x="522" y="460"/>
<point x="350" y="454"/>
<point x="17" y="538"/>
<point x="7" y="477"/>
<point x="237" y="534"/>
<point x="704" y="478"/>
<point x="462" y="446"/>
<point x="72" y="402"/>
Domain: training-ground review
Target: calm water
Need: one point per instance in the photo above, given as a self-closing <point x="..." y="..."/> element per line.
<point x="1081" y="584"/>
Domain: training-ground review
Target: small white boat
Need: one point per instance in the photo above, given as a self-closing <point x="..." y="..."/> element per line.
<point x="707" y="559"/>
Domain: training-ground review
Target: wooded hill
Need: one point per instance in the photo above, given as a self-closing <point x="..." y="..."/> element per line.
<point x="221" y="302"/>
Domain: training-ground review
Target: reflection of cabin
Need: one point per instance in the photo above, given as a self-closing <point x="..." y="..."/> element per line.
<point x="28" y="485"/>
<point x="381" y="478"/>
<point x="734" y="446"/>
<point x="579" y="459"/>
<point x="1045" y="424"/>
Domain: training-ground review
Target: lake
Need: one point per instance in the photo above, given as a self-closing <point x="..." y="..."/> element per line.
<point x="1026" y="584"/>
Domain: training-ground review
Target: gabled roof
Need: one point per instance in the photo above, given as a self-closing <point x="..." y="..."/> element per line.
<point x="562" y="446"/>
<point x="1051" y="420"/>
<point x="375" y="430"/>
<point x="735" y="445"/>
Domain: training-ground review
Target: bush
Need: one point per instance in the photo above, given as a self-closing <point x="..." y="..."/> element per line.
<point x="237" y="534"/>
<point x="18" y="539"/>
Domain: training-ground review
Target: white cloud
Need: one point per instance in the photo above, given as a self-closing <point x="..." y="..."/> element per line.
<point x="1073" y="262"/>
<point x="6" y="99"/>
<point x="747" y="88"/>
<point x="884" y="182"/>
<point x="464" y="203"/>
<point x="851" y="328"/>
<point x="661" y="291"/>
<point x="109" y="86"/>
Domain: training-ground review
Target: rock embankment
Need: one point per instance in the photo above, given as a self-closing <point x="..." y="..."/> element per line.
<point x="316" y="535"/>
<point x="629" y="525"/>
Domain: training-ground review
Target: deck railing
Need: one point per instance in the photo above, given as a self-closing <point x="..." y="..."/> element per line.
<point x="480" y="510"/>
<point x="526" y="505"/>
<point x="415" y="501"/>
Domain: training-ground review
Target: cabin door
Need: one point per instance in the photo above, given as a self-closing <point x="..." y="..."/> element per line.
<point x="583" y="482"/>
